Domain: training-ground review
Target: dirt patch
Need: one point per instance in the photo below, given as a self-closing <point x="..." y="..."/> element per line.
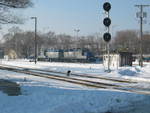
<point x="10" y="88"/>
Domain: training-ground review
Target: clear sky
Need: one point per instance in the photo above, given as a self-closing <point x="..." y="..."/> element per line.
<point x="64" y="16"/>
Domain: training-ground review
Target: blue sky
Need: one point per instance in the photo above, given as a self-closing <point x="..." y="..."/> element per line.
<point x="64" y="16"/>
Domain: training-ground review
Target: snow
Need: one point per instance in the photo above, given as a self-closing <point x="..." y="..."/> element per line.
<point x="41" y="95"/>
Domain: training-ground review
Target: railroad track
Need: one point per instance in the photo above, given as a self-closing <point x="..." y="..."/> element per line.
<point x="89" y="83"/>
<point x="74" y="74"/>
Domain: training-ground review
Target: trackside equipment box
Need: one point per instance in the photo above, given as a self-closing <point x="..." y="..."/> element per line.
<point x="118" y="60"/>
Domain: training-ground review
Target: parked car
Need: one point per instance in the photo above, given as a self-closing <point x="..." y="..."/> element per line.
<point x="147" y="59"/>
<point x="31" y="59"/>
<point x="133" y="59"/>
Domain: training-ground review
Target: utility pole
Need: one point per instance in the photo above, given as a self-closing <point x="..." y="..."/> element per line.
<point x="141" y="15"/>
<point x="108" y="51"/>
<point x="35" y="41"/>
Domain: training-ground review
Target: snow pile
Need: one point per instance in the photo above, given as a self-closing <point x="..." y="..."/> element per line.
<point x="129" y="71"/>
<point x="41" y="95"/>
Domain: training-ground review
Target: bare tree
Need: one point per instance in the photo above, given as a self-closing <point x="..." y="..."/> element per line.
<point x="126" y="40"/>
<point x="64" y="41"/>
<point x="12" y="40"/>
<point x="82" y="42"/>
<point x="7" y="7"/>
<point x="27" y="42"/>
<point x="19" y="41"/>
<point x="146" y="44"/>
<point x="49" y="40"/>
<point x="93" y="42"/>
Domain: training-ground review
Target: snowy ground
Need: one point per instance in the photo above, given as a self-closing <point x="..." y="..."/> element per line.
<point x="40" y="95"/>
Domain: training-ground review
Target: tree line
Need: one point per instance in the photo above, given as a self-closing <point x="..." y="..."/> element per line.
<point x="22" y="42"/>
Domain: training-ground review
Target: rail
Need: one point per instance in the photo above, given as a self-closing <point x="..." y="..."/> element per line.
<point x="80" y="81"/>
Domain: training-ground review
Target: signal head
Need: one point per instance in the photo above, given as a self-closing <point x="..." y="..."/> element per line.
<point x="107" y="6"/>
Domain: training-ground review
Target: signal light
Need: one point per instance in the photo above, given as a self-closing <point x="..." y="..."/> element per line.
<point x="107" y="22"/>
<point x="107" y="37"/>
<point x="107" y="6"/>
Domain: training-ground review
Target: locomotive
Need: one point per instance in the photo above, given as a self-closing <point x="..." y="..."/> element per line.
<point x="69" y="55"/>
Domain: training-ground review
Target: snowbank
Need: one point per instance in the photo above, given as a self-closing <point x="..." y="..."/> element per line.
<point x="40" y="95"/>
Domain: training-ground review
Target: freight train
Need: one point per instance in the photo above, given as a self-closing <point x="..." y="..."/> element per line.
<point x="69" y="55"/>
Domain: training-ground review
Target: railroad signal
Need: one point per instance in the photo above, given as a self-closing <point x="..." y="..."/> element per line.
<point x="107" y="21"/>
<point x="107" y="35"/>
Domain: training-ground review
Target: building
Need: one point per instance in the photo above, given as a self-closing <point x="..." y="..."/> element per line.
<point x="118" y="60"/>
